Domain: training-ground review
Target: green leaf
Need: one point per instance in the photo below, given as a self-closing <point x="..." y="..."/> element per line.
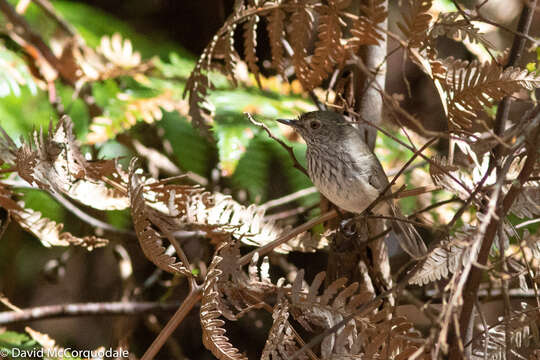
<point x="75" y="108"/>
<point x="295" y="179"/>
<point x="233" y="139"/>
<point x="253" y="100"/>
<point x="12" y="338"/>
<point x="253" y="172"/>
<point x="41" y="201"/>
<point x="177" y="66"/>
<point x="105" y="93"/>
<point x="192" y="151"/>
<point x="113" y="149"/>
<point x="19" y="115"/>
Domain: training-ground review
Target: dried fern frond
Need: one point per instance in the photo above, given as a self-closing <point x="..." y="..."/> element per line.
<point x="524" y="331"/>
<point x="250" y="46"/>
<point x="221" y="217"/>
<point x="335" y="42"/>
<point x="329" y="51"/>
<point x="49" y="232"/>
<point x="474" y="87"/>
<point x="532" y="241"/>
<point x="453" y="25"/>
<point x="364" y="29"/>
<point x="281" y="342"/>
<point x="239" y="292"/>
<point x="301" y="28"/>
<point x="114" y="57"/>
<point x="201" y="110"/>
<point x="450" y="178"/>
<point x="446" y="258"/>
<point x="276" y="34"/>
<point x="55" y="163"/>
<point x="6" y="199"/>
<point x="230" y="55"/>
<point x="8" y="149"/>
<point x="144" y="221"/>
<point x="370" y="333"/>
<point x="527" y="203"/>
<point x="416" y="22"/>
<point x="228" y="292"/>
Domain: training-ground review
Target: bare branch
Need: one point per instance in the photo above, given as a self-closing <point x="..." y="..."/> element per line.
<point x="84" y="309"/>
<point x="289" y="149"/>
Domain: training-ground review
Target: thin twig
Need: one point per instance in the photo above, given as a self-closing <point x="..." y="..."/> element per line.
<point x="417" y="153"/>
<point x="289" y="149"/>
<point x="74" y="209"/>
<point x="405" y="220"/>
<point x="263" y="250"/>
<point x="482" y="18"/>
<point x="20" y="27"/>
<point x="436" y="205"/>
<point x="291" y="212"/>
<point x="84" y="309"/>
<point x="189" y="302"/>
<point x="527" y="223"/>
<point x="466" y="17"/>
<point x="289" y="198"/>
<point x="87" y="218"/>
<point x="49" y="10"/>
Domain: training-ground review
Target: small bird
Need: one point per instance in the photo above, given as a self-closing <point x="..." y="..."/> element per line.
<point x="346" y="172"/>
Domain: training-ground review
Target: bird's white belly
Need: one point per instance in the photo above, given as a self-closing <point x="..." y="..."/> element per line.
<point x="354" y="195"/>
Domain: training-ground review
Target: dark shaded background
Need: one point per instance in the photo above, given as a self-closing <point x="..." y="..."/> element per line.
<point x="191" y="22"/>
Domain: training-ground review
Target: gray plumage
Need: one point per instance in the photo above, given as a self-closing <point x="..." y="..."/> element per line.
<point x="346" y="172"/>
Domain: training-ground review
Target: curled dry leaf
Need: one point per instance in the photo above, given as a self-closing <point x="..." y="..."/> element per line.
<point x="145" y="221"/>
<point x="49" y="232"/>
<point x="55" y="163"/>
<point x="455" y="27"/>
<point x="227" y="288"/>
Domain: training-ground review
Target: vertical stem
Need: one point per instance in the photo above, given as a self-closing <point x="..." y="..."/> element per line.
<point x="473" y="282"/>
<point x="368" y="89"/>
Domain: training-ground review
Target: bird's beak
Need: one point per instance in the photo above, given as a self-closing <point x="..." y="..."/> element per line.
<point x="288" y="122"/>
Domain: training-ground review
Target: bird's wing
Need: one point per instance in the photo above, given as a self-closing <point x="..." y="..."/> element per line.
<point x="364" y="161"/>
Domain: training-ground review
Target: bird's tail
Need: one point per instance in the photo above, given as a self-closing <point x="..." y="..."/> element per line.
<point x="409" y="238"/>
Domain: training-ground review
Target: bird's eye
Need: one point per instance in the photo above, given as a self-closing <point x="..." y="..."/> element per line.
<point x="315" y="124"/>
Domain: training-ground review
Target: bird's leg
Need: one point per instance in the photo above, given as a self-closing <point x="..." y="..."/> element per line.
<point x="347" y="223"/>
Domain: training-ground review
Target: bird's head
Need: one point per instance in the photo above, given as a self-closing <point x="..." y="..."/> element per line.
<point x="320" y="127"/>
